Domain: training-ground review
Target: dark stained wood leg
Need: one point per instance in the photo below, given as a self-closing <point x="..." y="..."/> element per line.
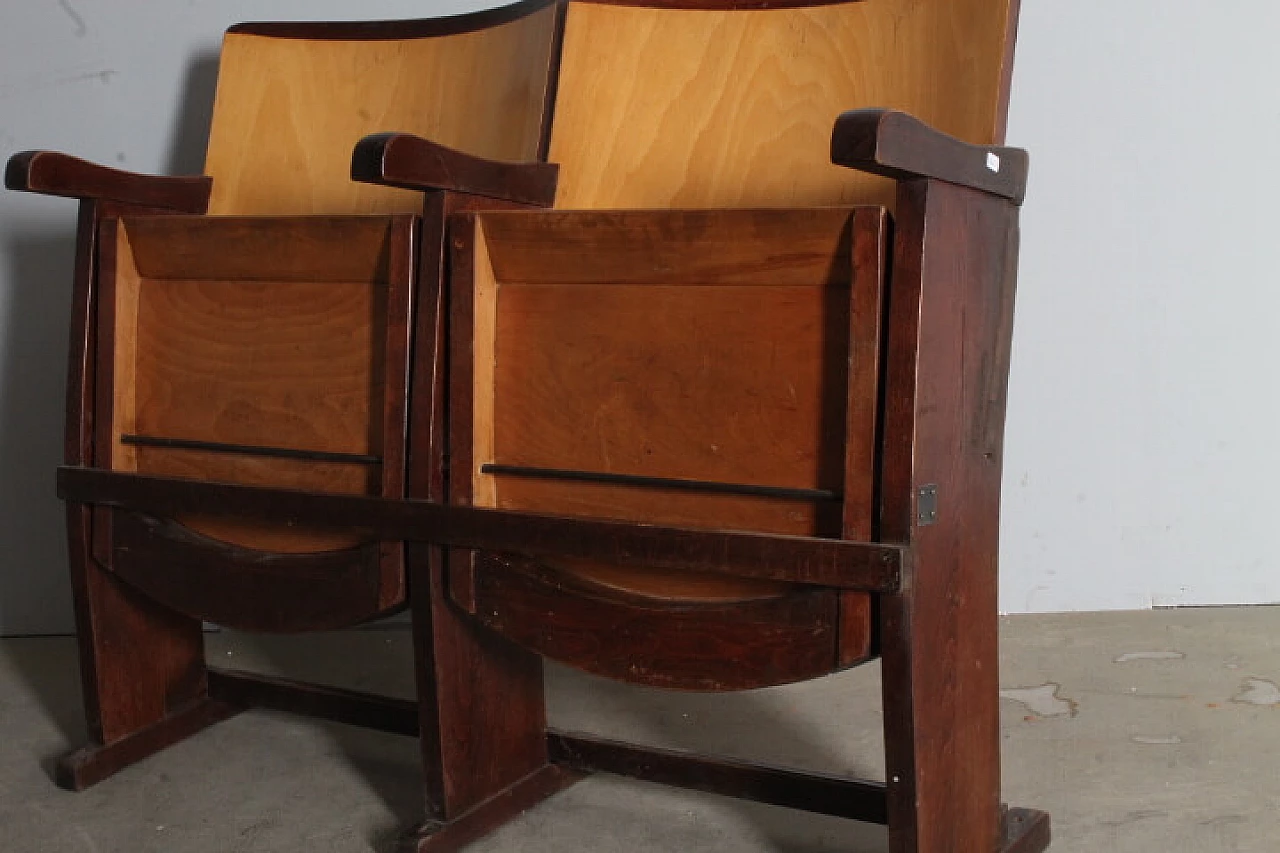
<point x="479" y="821"/>
<point x="92" y="764"/>
<point x="142" y="667"/>
<point x="944" y="424"/>
<point x="1025" y="831"/>
<point x="482" y="715"/>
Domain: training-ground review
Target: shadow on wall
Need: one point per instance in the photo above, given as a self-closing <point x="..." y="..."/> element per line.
<point x="35" y="594"/>
<point x="190" y="134"/>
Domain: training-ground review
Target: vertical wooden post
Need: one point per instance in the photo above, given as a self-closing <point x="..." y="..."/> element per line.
<point x="481" y="706"/>
<point x="140" y="664"/>
<point x="950" y="323"/>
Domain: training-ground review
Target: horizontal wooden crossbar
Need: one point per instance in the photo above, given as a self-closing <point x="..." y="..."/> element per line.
<point x="814" y="792"/>
<point x="778" y="786"/>
<point x="355" y="708"/>
<point x="795" y="559"/>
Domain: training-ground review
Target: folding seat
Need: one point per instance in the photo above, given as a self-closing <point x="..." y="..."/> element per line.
<point x="729" y="416"/>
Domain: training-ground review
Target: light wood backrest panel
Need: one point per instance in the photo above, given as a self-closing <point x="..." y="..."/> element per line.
<point x="289" y="110"/>
<point x="660" y="108"/>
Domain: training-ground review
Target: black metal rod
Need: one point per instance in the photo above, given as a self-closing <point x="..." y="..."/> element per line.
<point x="250" y="449"/>
<point x="784" y="492"/>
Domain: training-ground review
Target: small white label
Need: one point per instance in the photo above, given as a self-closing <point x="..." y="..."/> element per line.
<point x="993" y="162"/>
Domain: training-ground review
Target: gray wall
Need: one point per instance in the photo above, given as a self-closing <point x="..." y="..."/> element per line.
<point x="1140" y="455"/>
<point x="1141" y="444"/>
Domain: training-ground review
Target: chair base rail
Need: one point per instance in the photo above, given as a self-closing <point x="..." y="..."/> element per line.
<point x="91" y="764"/>
<point x="572" y="756"/>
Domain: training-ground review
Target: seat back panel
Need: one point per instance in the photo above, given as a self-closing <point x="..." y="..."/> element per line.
<point x="734" y="108"/>
<point x="289" y="110"/>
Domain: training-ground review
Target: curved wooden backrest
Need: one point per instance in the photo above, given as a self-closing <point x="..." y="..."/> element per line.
<point x="676" y="107"/>
<point x="293" y="99"/>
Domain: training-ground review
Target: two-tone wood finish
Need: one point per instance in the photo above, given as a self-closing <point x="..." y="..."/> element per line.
<point x="645" y="115"/>
<point x="629" y="365"/>
<point x="130" y="711"/>
<point x="137" y="703"/>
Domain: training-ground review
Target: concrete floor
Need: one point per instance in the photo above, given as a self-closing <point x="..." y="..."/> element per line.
<point x="1140" y="732"/>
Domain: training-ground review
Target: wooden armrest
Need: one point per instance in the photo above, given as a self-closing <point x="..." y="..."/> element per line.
<point x="898" y="145"/>
<point x="413" y="163"/>
<point x="52" y="173"/>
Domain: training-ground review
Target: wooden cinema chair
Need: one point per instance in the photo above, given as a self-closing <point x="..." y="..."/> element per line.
<point x="729" y="416"/>
<point x="255" y="326"/>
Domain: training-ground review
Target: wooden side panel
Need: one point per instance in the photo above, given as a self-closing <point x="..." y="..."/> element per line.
<point x="862" y="424"/>
<point x="688" y="108"/>
<point x="481" y="706"/>
<point x="289" y="111"/>
<point x="120" y="695"/>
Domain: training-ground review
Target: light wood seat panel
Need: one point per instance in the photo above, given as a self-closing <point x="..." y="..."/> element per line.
<point x="705" y="346"/>
<point x="225" y="359"/>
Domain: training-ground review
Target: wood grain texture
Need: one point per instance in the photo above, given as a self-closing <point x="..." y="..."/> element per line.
<point x="289" y="111"/>
<point x="120" y="697"/>
<point x="703" y="345"/>
<point x="677" y="108"/>
<point x="954" y="257"/>
<point x="773" y="641"/>
<point x="470" y="682"/>
<point x="307" y="350"/>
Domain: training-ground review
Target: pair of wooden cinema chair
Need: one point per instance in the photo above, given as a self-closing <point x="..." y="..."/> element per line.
<point x="600" y="357"/>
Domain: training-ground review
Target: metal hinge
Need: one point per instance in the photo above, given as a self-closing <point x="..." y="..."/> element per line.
<point x="926" y="504"/>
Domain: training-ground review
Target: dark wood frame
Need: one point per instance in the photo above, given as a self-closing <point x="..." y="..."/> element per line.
<point x="930" y="566"/>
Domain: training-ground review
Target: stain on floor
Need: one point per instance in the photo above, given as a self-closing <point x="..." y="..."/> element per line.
<point x="1042" y="701"/>
<point x="1132" y="656"/>
<point x="1258" y="691"/>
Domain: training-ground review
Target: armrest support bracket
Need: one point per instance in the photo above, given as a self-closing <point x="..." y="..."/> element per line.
<point x="52" y="173"/>
<point x="411" y="162"/>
